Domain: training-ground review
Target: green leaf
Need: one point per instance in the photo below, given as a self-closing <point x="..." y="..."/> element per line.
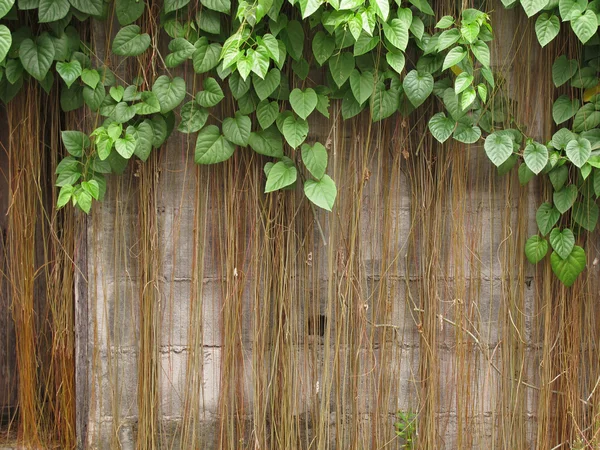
<point x="382" y="8"/>
<point x="309" y="7"/>
<point x="266" y="113"/>
<point x="536" y="248"/>
<point x="525" y="174"/>
<point x="5" y="7"/>
<point x="94" y="97"/>
<point x="237" y="129"/>
<point x="170" y="93"/>
<point x="441" y="127"/>
<point x="123" y="112"/>
<point x="586" y="214"/>
<point x="267" y="142"/>
<point x="303" y="102"/>
<point x="211" y="95"/>
<point x="238" y="86"/>
<point x="423" y="6"/>
<point x="89" y="77"/>
<point x="5" y="41"/>
<point x="585" y="26"/>
<point x="212" y="147"/>
<point x="223" y="6"/>
<point x="206" y="56"/>
<point x="418" y="86"/>
<point x="75" y="142"/>
<point x="546" y="217"/>
<point x="37" y="57"/>
<point x="445" y="22"/>
<point x="64" y="196"/>
<point x="69" y="71"/>
<point x="361" y="85"/>
<point x="148" y="105"/>
<point x="454" y="56"/>
<point x="498" y="148"/>
<point x="91" y="187"/>
<point x="193" y="117"/>
<point x="129" y="41"/>
<point x="397" y="33"/>
<point x="322" y="47"/>
<point x="533" y="7"/>
<point x="467" y="97"/>
<point x="462" y="82"/>
<point x="448" y="38"/>
<point x="294" y="131"/>
<point x="83" y="200"/>
<point x="322" y="193"/>
<point x="265" y="87"/>
<point x="470" y="31"/>
<point x="51" y="10"/>
<point x="181" y="50"/>
<point x="280" y="176"/>
<point x="536" y="157"/>
<point x="563" y="70"/>
<point x="564" y="198"/>
<point x="482" y="52"/>
<point x="564" y="108"/>
<point x="116" y="93"/>
<point x="384" y="102"/>
<point x="365" y="43"/>
<point x="128" y="11"/>
<point x="417" y="27"/>
<point x="340" y="67"/>
<point x="396" y="61"/>
<point x="587" y="118"/>
<point x="570" y="9"/>
<point x="126" y="146"/>
<point x="562" y="242"/>
<point x="174" y="5"/>
<point x="567" y="270"/>
<point x="467" y="133"/>
<point x="561" y="138"/>
<point x="91" y="7"/>
<point x="315" y="159"/>
<point x="579" y="151"/>
<point x="547" y="27"/>
<point x="144" y="137"/>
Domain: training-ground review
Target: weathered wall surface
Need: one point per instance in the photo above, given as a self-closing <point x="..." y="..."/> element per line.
<point x="280" y="328"/>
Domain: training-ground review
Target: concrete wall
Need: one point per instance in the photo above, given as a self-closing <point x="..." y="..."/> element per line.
<point x="435" y="262"/>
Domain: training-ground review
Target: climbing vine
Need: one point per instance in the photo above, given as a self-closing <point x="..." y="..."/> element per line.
<point x="375" y="55"/>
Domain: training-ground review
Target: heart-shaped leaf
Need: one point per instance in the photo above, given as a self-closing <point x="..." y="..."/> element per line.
<point x="562" y="242"/>
<point x="37" y="57"/>
<point x="322" y="193"/>
<point x="418" y="86"/>
<point x="315" y="159"/>
<point x="536" y="157"/>
<point x="564" y="199"/>
<point x="295" y="131"/>
<point x="498" y="148"/>
<point x="211" y="95"/>
<point x="567" y="270"/>
<point x="212" y="147"/>
<point x="536" y="248"/>
<point x="546" y="217"/>
<point x="130" y="41"/>
<point x="303" y="102"/>
<point x="237" y="129"/>
<point x="280" y="175"/>
<point x="579" y="151"/>
<point x="441" y="127"/>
